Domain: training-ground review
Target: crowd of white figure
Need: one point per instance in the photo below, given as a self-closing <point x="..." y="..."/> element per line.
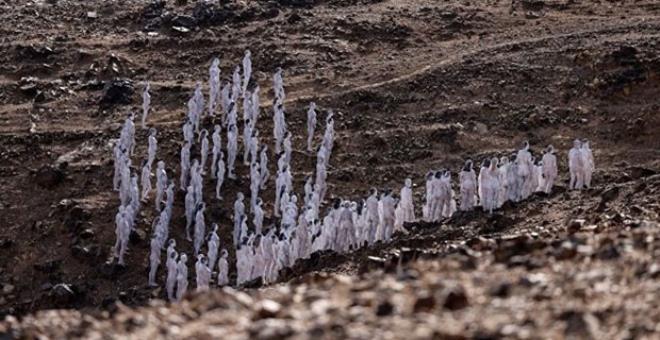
<point x="261" y="252"/>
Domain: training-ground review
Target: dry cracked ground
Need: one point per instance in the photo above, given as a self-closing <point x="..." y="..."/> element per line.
<point x="416" y="85"/>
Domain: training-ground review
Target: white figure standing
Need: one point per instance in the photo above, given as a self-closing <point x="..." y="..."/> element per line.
<point x="152" y="146"/>
<point x="214" y="85"/>
<point x="171" y="274"/>
<point x="406" y="203"/>
<point x="181" y="277"/>
<point x="468" y="181"/>
<point x="154" y="261"/>
<point x="576" y="166"/>
<point x="587" y="162"/>
<point x="216" y="137"/>
<point x="220" y="176"/>
<point x="223" y="269"/>
<point x="549" y="169"/>
<point x="145" y="179"/>
<point x="232" y="149"/>
<point x="247" y="69"/>
<point x="204" y="150"/>
<point x="311" y="125"/>
<point x="146" y="103"/>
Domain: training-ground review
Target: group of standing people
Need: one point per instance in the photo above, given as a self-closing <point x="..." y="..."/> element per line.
<point x="299" y="227"/>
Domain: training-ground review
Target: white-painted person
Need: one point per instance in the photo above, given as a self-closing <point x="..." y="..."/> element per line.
<point x="247" y="69"/>
<point x="161" y="182"/>
<point x="202" y="274"/>
<point x="146" y="103"/>
<point x="145" y="179"/>
<point x="220" y="176"/>
<point x="223" y="269"/>
<point x="232" y="149"/>
<point x="204" y="150"/>
<point x="239" y="213"/>
<point x="214" y="85"/>
<point x="170" y="282"/>
<point x="216" y="137"/>
<point x="152" y="146"/>
<point x="181" y="277"/>
<point x="213" y="246"/>
<point x="311" y="126"/>
<point x="549" y="169"/>
<point x="154" y="261"/>
<point x="185" y="165"/>
<point x="588" y="162"/>
<point x="576" y="166"/>
<point x="200" y="228"/>
<point x="468" y="183"/>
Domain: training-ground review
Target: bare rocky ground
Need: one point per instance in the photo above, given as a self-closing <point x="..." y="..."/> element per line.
<point x="417" y="85"/>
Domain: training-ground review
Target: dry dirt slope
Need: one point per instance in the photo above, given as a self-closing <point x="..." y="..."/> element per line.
<point x="418" y="85"/>
<point x="573" y="265"/>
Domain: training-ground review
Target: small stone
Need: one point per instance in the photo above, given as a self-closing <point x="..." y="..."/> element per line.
<point x="566" y="251"/>
<point x="267" y="309"/>
<point x="49" y="176"/>
<point x="501" y="290"/>
<point x="118" y="91"/>
<point x="575" y="225"/>
<point x="384" y="308"/>
<point x="7" y="289"/>
<point x="137" y="236"/>
<point x="424" y="303"/>
<point x="456" y="299"/>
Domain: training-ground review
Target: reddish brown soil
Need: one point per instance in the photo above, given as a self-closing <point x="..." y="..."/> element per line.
<point x="415" y="85"/>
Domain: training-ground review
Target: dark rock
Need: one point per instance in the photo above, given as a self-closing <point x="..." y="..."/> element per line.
<point x="111" y="271"/>
<point x="137" y="236"/>
<point x="575" y="225"/>
<point x="526" y="261"/>
<point x="566" y="251"/>
<point x="203" y="12"/>
<point x="384" y="308"/>
<point x="501" y="290"/>
<point x="625" y="55"/>
<point x="640" y="172"/>
<point x="294" y="18"/>
<point x="298" y="3"/>
<point x="63" y="293"/>
<point x="608" y="252"/>
<point x="533" y="5"/>
<point x="498" y="222"/>
<point x="35" y="52"/>
<point x="518" y="245"/>
<point x="481" y="243"/>
<point x="118" y="91"/>
<point x="49" y="176"/>
<point x="75" y="217"/>
<point x="29" y="89"/>
<point x="48" y="266"/>
<point x="609" y="194"/>
<point x="153" y="9"/>
<point x="575" y="324"/>
<point x="456" y="299"/>
<point x="6" y="243"/>
<point x="91" y="252"/>
<point x="86" y="234"/>
<point x="424" y="303"/>
<point x="184" y="21"/>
